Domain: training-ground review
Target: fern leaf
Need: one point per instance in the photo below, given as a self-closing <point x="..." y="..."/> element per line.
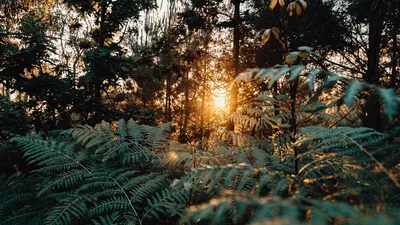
<point x="114" y="204"/>
<point x="68" y="210"/>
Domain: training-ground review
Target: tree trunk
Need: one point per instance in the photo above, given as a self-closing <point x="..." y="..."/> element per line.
<point x="168" y="98"/>
<point x="236" y="50"/>
<point x="97" y="77"/>
<point x="393" y="77"/>
<point x="187" y="108"/>
<point x="168" y="108"/>
<point x="372" y="111"/>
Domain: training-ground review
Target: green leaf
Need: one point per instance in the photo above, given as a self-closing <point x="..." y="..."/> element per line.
<point x="311" y="77"/>
<point x="295" y="72"/>
<point x="278" y="75"/>
<point x="281" y="97"/>
<point x="305" y="108"/>
<point x="318" y="106"/>
<point x="351" y="92"/>
<point x="390" y="102"/>
<point x="305" y="48"/>
<point x="291" y="58"/>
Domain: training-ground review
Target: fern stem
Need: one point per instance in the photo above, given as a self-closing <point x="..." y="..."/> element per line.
<point x="126" y="196"/>
<point x="76" y="161"/>
<point x="343" y="117"/>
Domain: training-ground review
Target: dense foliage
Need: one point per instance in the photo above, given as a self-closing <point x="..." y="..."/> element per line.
<point x="116" y="112"/>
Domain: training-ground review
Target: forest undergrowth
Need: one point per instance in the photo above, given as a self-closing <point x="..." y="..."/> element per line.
<point x="282" y="165"/>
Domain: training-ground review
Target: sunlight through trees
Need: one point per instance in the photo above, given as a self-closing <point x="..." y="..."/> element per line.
<point x="197" y="112"/>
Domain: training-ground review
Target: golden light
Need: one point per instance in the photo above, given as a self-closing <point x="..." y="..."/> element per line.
<point x="172" y="156"/>
<point x="219" y="102"/>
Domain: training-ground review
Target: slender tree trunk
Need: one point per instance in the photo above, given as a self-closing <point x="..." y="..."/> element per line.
<point x="187" y="108"/>
<point x="168" y="97"/>
<point x="97" y="76"/>
<point x="202" y="111"/>
<point x="203" y="93"/>
<point x="393" y="77"/>
<point x="168" y="110"/>
<point x="236" y="50"/>
<point x="372" y="111"/>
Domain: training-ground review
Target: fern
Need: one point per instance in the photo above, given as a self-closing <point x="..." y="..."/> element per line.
<point x="352" y="142"/>
<point x="113" y="204"/>
<point x="124" y="175"/>
<point x="168" y="202"/>
<point x="67" y="210"/>
<point x="94" y="175"/>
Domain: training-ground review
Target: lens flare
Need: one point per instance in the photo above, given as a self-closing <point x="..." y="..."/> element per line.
<point x="219" y="102"/>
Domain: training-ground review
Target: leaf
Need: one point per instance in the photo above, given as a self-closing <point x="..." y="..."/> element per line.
<point x="276" y="32"/>
<point x="266" y="73"/>
<point x="298" y="9"/>
<point x="333" y="78"/>
<point x="278" y="75"/>
<point x="304" y="55"/>
<point x="305" y="108"/>
<point x="352" y="90"/>
<point x="266" y="35"/>
<point x="291" y="8"/>
<point x="273" y="3"/>
<point x="311" y="77"/>
<point x="390" y="102"/>
<point x="281" y="97"/>
<point x="296" y="71"/>
<point x="246" y="75"/>
<point x="259" y="34"/>
<point x="305" y="48"/>
<point x="291" y="58"/>
<point x="304" y="4"/>
<point x="318" y="106"/>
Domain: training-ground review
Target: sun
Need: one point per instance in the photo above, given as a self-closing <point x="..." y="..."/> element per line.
<point x="219" y="102"/>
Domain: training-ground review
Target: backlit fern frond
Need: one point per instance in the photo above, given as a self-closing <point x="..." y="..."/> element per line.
<point x="345" y="141"/>
<point x="129" y="141"/>
<point x="351" y="159"/>
<point x="273" y="210"/>
<point x="167" y="202"/>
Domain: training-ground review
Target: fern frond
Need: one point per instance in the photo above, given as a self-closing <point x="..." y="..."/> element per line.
<point x="113" y="204"/>
<point x="68" y="210"/>
<point x="14" y="201"/>
<point x="49" y="154"/>
<point x="351" y="142"/>
<point x="64" y="180"/>
<point x="168" y="202"/>
<point x="140" y="192"/>
<point x="106" y="220"/>
<point x="157" y="137"/>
